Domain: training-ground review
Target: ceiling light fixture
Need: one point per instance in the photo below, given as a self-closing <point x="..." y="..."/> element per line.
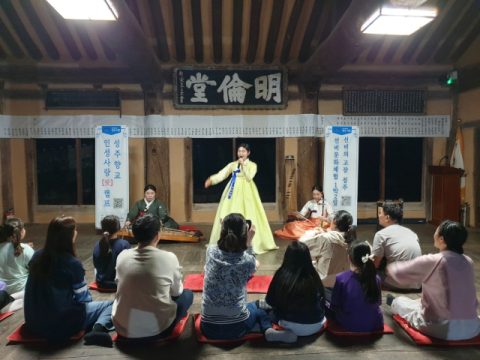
<point x="391" y="20"/>
<point x="85" y="9"/>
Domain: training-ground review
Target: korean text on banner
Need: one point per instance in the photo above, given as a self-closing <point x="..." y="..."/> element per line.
<point x="340" y="183"/>
<point x="111" y="173"/>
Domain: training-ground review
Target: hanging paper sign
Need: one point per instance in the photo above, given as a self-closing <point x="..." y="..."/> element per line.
<point x="340" y="174"/>
<point x="242" y="88"/>
<point x="111" y="173"/>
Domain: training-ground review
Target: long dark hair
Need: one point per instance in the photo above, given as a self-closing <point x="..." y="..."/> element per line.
<point x="296" y="284"/>
<point x="454" y="234"/>
<point x="368" y="274"/>
<point x="233" y="235"/>
<point x="110" y="226"/>
<point x="59" y="240"/>
<point x="12" y="228"/>
<point x="344" y="223"/>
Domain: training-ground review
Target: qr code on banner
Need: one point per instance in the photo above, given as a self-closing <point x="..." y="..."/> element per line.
<point x="118" y="203"/>
<point x="346" y="201"/>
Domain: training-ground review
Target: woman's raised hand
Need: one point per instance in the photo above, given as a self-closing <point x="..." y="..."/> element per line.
<point x="208" y="183"/>
<point x="127" y="223"/>
<point x="250" y="234"/>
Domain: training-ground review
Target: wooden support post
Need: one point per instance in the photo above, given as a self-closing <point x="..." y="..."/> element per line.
<point x="427" y="177"/>
<point x="31" y="169"/>
<point x="382" y="169"/>
<point x="153" y="98"/>
<point x="158" y="167"/>
<point x="6" y="169"/>
<point x="308" y="162"/>
<point x="453" y="126"/>
<point x="188" y="162"/>
<point x="78" y="152"/>
<point x="476" y="177"/>
<point x="280" y="180"/>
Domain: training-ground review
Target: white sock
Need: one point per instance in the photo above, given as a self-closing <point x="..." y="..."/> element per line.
<point x="13" y="306"/>
<point x="287" y="336"/>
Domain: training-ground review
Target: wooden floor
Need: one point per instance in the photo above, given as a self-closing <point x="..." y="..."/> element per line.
<point x="192" y="258"/>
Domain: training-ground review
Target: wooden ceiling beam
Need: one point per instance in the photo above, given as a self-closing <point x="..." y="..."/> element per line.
<point x="65" y="33"/>
<point x="126" y="37"/>
<point x="323" y="26"/>
<point x="197" y="30"/>
<point x="163" y="52"/>
<point x="273" y="31"/>
<point x="465" y="22"/>
<point x="453" y="12"/>
<point x="178" y="30"/>
<point x="392" y="50"/>
<point x="375" y="49"/>
<point x="217" y="31"/>
<point x="109" y="53"/>
<point x="310" y="31"/>
<point x="133" y="6"/>
<point x="465" y="44"/>
<point x="85" y="39"/>
<point x="40" y="30"/>
<point x="237" y="31"/>
<point x="254" y="33"/>
<point x="7" y="36"/>
<point x="345" y="42"/>
<point x="291" y="27"/>
<point x="3" y="54"/>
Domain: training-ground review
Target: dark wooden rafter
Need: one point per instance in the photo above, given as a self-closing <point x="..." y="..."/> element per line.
<point x="217" y="30"/>
<point x="65" y="33"/>
<point x="345" y="43"/>
<point x="7" y="36"/>
<point x="337" y="9"/>
<point x="375" y="49"/>
<point x="418" y="36"/>
<point x="392" y="50"/>
<point x="291" y="27"/>
<point x="3" y="54"/>
<point x="109" y="53"/>
<point x="275" y="22"/>
<point x="178" y="30"/>
<point x="442" y="28"/>
<point x="254" y="33"/>
<point x="133" y="6"/>
<point x="465" y="44"/>
<point x="87" y="44"/>
<point x="465" y="22"/>
<point x="160" y="34"/>
<point x="40" y="29"/>
<point x="323" y="24"/>
<point x="20" y="29"/>
<point x="310" y="31"/>
<point x="197" y="30"/>
<point x="237" y="31"/>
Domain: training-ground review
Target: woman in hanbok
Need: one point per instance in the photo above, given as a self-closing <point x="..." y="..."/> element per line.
<point x="317" y="210"/>
<point x="241" y="196"/>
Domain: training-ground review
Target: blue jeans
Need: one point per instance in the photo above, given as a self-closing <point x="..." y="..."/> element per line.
<point x="99" y="312"/>
<point x="257" y="321"/>
<point x="184" y="301"/>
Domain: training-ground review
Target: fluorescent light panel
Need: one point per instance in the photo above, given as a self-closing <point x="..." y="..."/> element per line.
<point x="85" y="9"/>
<point x="390" y="20"/>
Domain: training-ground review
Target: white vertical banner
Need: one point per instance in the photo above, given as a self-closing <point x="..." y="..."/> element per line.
<point x="340" y="174"/>
<point x="111" y="173"/>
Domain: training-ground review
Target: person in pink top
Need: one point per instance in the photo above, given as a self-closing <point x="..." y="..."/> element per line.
<point x="448" y="308"/>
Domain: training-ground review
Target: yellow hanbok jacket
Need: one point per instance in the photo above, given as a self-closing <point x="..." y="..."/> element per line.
<point x="244" y="200"/>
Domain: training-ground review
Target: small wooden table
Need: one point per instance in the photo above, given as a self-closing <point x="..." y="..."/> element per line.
<point x="169" y="235"/>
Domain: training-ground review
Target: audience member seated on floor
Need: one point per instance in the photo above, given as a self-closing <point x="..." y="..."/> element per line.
<point x="229" y="265"/>
<point x="296" y="293"/>
<point x="329" y="250"/>
<point x="394" y="243"/>
<point x="106" y="252"/>
<point x="448" y="308"/>
<point x="357" y="295"/>
<point x="150" y="298"/>
<point x="57" y="302"/>
<point x="9" y="303"/>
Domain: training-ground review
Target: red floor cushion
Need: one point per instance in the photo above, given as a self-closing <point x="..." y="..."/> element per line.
<point x="324" y="327"/>
<point x="94" y="286"/>
<point x="173" y="336"/>
<point x="204" y="340"/>
<point x="258" y="284"/>
<point x="422" y="339"/>
<point x="22" y="336"/>
<point x="335" y="328"/>
<point x="6" y="315"/>
<point x="188" y="228"/>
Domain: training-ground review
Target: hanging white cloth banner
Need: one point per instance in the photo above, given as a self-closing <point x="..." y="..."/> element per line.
<point x="111" y="173"/>
<point x="340" y="174"/>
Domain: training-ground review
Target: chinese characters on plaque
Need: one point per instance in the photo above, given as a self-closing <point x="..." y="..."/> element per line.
<point x="341" y="168"/>
<point x="111" y="173"/>
<point x="197" y="88"/>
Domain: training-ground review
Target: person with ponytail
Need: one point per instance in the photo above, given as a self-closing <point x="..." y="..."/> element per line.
<point x="329" y="249"/>
<point x="357" y="296"/>
<point x="229" y="265"/>
<point x="14" y="256"/>
<point x="106" y="252"/>
<point x="448" y="308"/>
<point x="296" y="293"/>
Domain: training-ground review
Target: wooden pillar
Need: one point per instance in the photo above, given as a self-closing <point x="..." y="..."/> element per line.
<point x="476" y="178"/>
<point x="31" y="169"/>
<point x="382" y="169"/>
<point x="153" y="98"/>
<point x="427" y="177"/>
<point x="453" y="126"/>
<point x="280" y="180"/>
<point x="188" y="162"/>
<point x="6" y="170"/>
<point x="308" y="161"/>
